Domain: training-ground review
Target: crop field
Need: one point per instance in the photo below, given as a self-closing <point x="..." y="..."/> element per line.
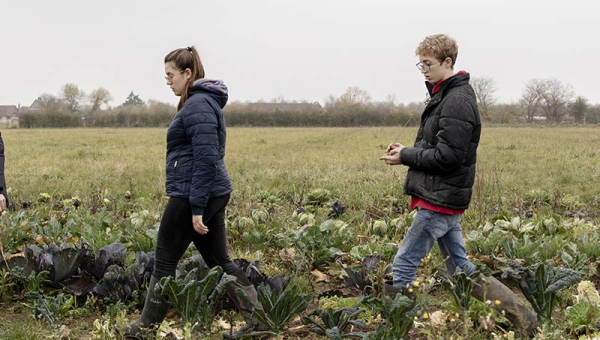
<point x="315" y="220"/>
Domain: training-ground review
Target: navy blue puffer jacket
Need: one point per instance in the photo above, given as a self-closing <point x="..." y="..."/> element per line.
<point x="196" y="147"/>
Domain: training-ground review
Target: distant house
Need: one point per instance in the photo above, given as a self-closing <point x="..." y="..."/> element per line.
<point x="9" y="115"/>
<point x="8" y="110"/>
<point x="285" y="107"/>
<point x="36" y="106"/>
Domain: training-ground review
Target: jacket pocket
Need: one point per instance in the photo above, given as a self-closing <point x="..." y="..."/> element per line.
<point x="183" y="168"/>
<point x="170" y="179"/>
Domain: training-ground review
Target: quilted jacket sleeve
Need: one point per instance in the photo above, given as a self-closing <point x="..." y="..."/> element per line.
<point x="201" y="129"/>
<point x="456" y="124"/>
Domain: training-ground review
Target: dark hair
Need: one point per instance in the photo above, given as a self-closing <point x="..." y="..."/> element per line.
<point x="185" y="58"/>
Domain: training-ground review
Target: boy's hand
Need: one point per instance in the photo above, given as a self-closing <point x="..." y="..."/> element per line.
<point x="392" y="146"/>
<point x="393" y="155"/>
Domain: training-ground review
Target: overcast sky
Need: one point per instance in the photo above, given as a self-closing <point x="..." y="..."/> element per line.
<point x="300" y="49"/>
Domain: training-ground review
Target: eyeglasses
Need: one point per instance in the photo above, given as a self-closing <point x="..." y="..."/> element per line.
<point x="169" y="77"/>
<point x="425" y="67"/>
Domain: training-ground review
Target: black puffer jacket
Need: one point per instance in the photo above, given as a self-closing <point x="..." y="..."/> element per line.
<point x="196" y="147"/>
<point x="442" y="161"/>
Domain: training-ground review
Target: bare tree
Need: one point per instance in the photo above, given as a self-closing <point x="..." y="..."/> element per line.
<point x="555" y="100"/>
<point x="355" y="96"/>
<point x="330" y="102"/>
<point x="279" y="99"/>
<point x="532" y="97"/>
<point x="485" y="90"/>
<point x="99" y="97"/>
<point x="72" y="96"/>
<point x="390" y="101"/>
<point x="578" y="109"/>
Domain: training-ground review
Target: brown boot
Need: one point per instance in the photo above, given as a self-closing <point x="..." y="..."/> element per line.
<point x="523" y="319"/>
<point x="392" y="291"/>
<point x="245" y="307"/>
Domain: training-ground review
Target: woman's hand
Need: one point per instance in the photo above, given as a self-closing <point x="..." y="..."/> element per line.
<point x="199" y="227"/>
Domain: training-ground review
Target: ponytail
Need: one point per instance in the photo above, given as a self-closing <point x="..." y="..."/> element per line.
<point x="185" y="58"/>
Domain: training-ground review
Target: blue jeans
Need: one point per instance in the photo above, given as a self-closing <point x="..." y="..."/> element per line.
<point x="427" y="227"/>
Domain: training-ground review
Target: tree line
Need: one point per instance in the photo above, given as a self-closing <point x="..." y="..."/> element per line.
<point x="74" y="108"/>
<point x="543" y="101"/>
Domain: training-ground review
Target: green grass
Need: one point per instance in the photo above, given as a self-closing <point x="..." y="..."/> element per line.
<point x="20" y="327"/>
<point x="291" y="161"/>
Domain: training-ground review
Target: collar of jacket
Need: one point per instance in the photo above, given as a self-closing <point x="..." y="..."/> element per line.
<point x="456" y="79"/>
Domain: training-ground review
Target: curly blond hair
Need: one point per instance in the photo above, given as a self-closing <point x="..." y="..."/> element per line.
<point x="439" y="46"/>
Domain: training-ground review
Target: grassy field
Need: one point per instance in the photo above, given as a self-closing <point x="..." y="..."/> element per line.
<point x="535" y="174"/>
<point x="511" y="162"/>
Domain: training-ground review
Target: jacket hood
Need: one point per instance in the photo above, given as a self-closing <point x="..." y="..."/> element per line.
<point x="214" y="87"/>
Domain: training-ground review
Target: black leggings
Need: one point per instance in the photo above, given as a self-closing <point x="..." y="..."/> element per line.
<point x="176" y="232"/>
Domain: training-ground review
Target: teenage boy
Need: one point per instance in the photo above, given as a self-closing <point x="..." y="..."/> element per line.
<point x="441" y="173"/>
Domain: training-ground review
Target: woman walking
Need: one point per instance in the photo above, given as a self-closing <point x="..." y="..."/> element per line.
<point x="198" y="187"/>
